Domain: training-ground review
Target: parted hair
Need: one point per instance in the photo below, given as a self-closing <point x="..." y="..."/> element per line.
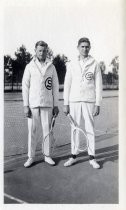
<point x="41" y="43"/>
<point x="84" y="39"/>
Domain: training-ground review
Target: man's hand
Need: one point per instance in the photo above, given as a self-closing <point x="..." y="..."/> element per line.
<point x="96" y="111"/>
<point x="55" y="110"/>
<point x="27" y="111"/>
<point x="66" y="109"/>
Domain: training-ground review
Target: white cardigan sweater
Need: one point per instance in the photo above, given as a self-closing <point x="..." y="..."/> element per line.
<point x="40" y="86"/>
<point x="83" y="82"/>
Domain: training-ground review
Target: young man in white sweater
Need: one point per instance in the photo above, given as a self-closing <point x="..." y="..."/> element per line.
<point x="40" y="90"/>
<point x="82" y="97"/>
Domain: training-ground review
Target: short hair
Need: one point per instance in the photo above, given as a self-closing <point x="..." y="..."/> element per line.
<point x="84" y="39"/>
<point x="41" y="43"/>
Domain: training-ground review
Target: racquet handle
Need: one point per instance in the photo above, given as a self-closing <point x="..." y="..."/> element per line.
<point x="53" y="121"/>
<point x="71" y="119"/>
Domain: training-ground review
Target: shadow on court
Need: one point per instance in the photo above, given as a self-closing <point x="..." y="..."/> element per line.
<point x="103" y="155"/>
<point x="42" y="183"/>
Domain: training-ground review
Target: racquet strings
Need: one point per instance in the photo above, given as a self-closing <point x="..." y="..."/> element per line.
<point x="50" y="138"/>
<point x="80" y="141"/>
<point x="78" y="135"/>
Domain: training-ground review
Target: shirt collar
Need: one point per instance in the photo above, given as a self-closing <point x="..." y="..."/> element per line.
<point x="83" y="59"/>
<point x="47" y="61"/>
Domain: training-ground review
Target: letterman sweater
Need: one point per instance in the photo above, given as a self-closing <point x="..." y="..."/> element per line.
<point x="40" y="86"/>
<point x="83" y="82"/>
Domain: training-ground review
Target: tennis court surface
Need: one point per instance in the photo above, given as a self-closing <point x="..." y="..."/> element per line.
<point x="45" y="184"/>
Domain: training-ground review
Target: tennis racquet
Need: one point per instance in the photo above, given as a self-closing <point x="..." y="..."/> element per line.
<point x="49" y="136"/>
<point x="75" y="129"/>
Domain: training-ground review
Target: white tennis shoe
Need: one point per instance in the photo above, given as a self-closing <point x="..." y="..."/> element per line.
<point x="49" y="160"/>
<point x="94" y="163"/>
<point x="70" y="162"/>
<point x="29" y="162"/>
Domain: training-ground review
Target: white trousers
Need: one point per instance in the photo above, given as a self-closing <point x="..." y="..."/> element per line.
<point x="77" y="110"/>
<point x="40" y="116"/>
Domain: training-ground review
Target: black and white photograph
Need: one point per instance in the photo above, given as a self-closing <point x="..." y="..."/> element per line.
<point x="61" y="86"/>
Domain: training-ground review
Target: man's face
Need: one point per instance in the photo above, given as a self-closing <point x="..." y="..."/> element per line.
<point x="41" y="52"/>
<point x="84" y="49"/>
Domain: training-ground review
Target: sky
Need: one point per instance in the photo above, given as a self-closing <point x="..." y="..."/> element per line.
<point x="61" y="23"/>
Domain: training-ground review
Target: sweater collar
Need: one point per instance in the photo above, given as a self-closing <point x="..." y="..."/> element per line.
<point x="87" y="61"/>
<point x="36" y="63"/>
<point x="46" y="63"/>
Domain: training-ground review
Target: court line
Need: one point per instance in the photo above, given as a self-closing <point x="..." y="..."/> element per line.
<point x="60" y="99"/>
<point x="17" y="158"/>
<point x="14" y="198"/>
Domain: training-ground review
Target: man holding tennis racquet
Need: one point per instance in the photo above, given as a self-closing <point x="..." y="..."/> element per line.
<point x="40" y="90"/>
<point x="82" y="97"/>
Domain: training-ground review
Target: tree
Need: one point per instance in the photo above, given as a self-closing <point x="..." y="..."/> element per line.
<point x="102" y="67"/>
<point x="22" y="59"/>
<point x="14" y="68"/>
<point x="7" y="64"/>
<point x="109" y="78"/>
<point x="60" y="64"/>
<point x="115" y="65"/>
<point x="50" y="54"/>
<point x="7" y="69"/>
